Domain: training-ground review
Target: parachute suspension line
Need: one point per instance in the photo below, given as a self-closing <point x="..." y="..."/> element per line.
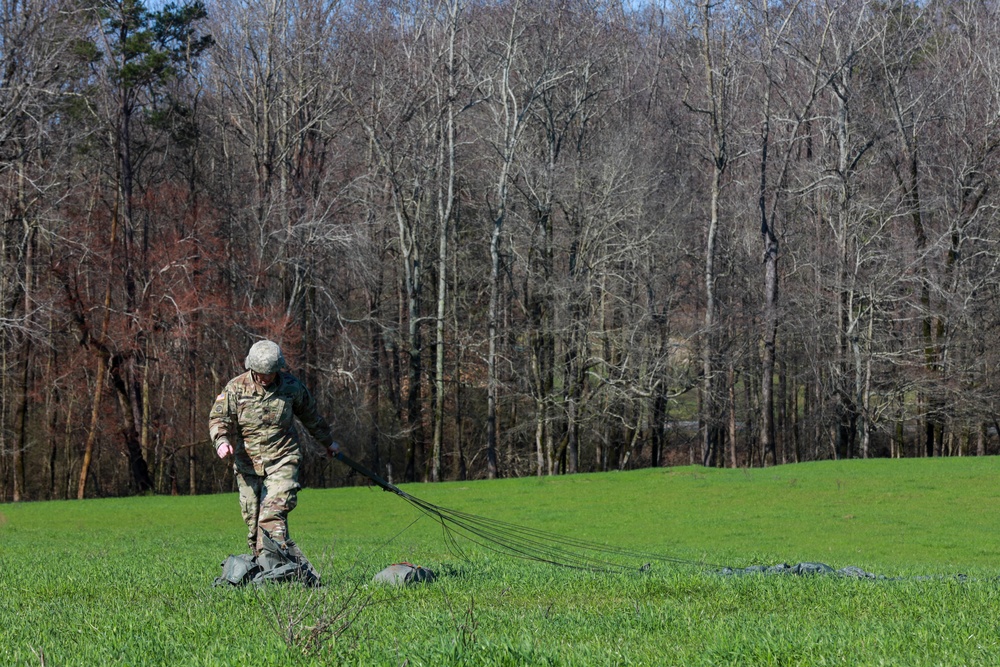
<point x="520" y="541"/>
<point x="533" y="544"/>
<point x="396" y="536"/>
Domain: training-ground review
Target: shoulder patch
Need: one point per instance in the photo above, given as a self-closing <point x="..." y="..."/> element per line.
<point x="220" y="396"/>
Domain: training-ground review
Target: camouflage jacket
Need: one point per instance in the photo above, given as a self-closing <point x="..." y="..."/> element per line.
<point x="258" y="421"/>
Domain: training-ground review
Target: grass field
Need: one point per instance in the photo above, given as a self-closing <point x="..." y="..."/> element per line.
<point x="128" y="581"/>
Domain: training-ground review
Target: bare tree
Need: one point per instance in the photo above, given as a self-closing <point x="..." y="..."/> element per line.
<point x="35" y="58"/>
<point x="135" y="52"/>
<point x="786" y="45"/>
<point x="514" y="88"/>
<point x="446" y="184"/>
<point x="714" y="87"/>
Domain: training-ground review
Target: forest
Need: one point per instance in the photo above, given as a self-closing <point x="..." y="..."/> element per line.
<point x="497" y="238"/>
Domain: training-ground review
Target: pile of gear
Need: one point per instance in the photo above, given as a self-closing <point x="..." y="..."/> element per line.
<point x="276" y="563"/>
<point x="286" y="563"/>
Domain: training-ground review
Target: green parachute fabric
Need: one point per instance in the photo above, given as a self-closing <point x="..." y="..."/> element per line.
<point x="275" y="564"/>
<point x="801" y="569"/>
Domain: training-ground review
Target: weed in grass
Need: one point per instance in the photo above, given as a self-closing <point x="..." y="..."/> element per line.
<point x="308" y="619"/>
<point x="466" y="626"/>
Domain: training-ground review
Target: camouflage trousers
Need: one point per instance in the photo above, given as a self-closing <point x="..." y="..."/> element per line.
<point x="266" y="500"/>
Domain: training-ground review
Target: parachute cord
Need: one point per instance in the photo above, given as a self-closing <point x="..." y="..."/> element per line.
<point x="396" y="536"/>
<point x="520" y="541"/>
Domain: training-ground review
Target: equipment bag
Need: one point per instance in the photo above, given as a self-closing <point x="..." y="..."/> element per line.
<point x="399" y="574"/>
<point x="237" y="570"/>
<point x="282" y="573"/>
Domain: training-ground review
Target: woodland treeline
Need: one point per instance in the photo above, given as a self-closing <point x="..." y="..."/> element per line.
<point x="497" y="238"/>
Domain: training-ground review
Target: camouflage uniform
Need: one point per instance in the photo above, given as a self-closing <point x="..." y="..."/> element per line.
<point x="257" y="421"/>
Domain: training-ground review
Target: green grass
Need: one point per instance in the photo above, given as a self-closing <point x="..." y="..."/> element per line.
<point x="128" y="581"/>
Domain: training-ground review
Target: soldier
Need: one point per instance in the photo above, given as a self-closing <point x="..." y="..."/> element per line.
<point x="251" y="421"/>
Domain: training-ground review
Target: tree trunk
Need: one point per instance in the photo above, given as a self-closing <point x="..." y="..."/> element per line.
<point x="770" y="315"/>
<point x="717" y="147"/>
<point x="373" y="385"/>
<point x="708" y="403"/>
<point x="445" y="199"/>
<point x="732" y="415"/>
<point x="21" y="418"/>
<point x="572" y="437"/>
<point x="21" y="424"/>
<point x="492" y="383"/>
<point x="88" y="448"/>
<point x="782" y="419"/>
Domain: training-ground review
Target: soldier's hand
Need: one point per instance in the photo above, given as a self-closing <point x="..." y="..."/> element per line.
<point x="224" y="449"/>
<point x="332" y="450"/>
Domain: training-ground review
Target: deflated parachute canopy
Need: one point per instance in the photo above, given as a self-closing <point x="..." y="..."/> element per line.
<point x="802" y="569"/>
<point x="275" y="564"/>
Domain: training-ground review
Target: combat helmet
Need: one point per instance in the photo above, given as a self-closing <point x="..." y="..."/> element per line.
<point x="265" y="357"/>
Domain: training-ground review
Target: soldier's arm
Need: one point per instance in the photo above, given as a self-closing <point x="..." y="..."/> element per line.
<point x="307" y="412"/>
<point x="222" y="423"/>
